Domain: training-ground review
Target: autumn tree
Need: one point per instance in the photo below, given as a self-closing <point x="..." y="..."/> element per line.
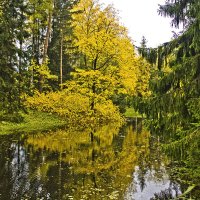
<point x="106" y="69"/>
<point x="106" y="63"/>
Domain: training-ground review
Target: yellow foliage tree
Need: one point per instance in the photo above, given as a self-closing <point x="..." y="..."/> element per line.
<point x="106" y="66"/>
<point x="106" y="53"/>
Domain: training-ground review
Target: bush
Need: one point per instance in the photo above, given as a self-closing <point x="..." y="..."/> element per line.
<point x="75" y="107"/>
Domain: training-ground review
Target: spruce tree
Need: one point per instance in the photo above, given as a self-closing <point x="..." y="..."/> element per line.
<point x="173" y="107"/>
<point x="12" y="54"/>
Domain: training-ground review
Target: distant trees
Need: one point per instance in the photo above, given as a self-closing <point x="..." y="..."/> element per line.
<point x="143" y="47"/>
<point x="27" y="31"/>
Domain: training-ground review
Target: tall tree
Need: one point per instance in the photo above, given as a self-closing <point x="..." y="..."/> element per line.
<point x="13" y="56"/>
<point x="180" y="84"/>
<point x="40" y="25"/>
<point x="60" y="39"/>
<point x="106" y="54"/>
<point x="173" y="106"/>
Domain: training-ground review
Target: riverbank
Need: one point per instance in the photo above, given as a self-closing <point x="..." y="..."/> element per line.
<point x="34" y="121"/>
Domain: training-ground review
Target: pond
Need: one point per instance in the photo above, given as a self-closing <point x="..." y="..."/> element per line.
<point x="108" y="162"/>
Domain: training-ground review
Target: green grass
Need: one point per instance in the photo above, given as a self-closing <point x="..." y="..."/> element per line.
<point x="131" y="113"/>
<point x="36" y="121"/>
<point x="33" y="122"/>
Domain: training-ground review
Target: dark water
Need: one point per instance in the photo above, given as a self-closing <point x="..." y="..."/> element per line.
<point x="108" y="162"/>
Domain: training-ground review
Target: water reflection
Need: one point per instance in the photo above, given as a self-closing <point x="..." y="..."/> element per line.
<point x="151" y="186"/>
<point x="108" y="162"/>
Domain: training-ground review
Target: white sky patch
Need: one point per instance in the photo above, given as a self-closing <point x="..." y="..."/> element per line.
<point x="142" y="19"/>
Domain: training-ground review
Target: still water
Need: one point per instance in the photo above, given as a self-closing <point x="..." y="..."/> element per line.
<point x="108" y="162"/>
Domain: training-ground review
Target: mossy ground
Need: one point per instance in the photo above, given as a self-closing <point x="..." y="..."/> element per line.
<point x="33" y="121"/>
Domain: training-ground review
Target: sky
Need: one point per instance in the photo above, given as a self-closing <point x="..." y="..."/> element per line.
<point x="142" y="19"/>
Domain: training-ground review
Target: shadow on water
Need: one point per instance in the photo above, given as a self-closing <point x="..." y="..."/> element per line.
<point x="108" y="162"/>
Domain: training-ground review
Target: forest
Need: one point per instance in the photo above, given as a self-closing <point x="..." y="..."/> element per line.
<point x="71" y="65"/>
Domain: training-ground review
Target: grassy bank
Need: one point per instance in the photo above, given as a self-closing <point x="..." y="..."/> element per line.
<point x="131" y="113"/>
<point x="33" y="122"/>
<point x="40" y="121"/>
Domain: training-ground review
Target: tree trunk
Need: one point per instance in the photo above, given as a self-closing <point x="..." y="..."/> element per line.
<point x="46" y="44"/>
<point x="94" y="83"/>
<point x="93" y="98"/>
<point x="61" y="60"/>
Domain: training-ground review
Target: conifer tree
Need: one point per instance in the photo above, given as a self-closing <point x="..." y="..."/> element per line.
<point x="175" y="83"/>
<point x="12" y="54"/>
<point x="59" y="62"/>
<point x="173" y="107"/>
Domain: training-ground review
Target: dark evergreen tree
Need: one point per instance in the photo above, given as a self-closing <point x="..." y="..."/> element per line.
<point x="59" y="61"/>
<point x="174" y="89"/>
<point x="143" y="47"/>
<point x="12" y="53"/>
<point x="173" y="107"/>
